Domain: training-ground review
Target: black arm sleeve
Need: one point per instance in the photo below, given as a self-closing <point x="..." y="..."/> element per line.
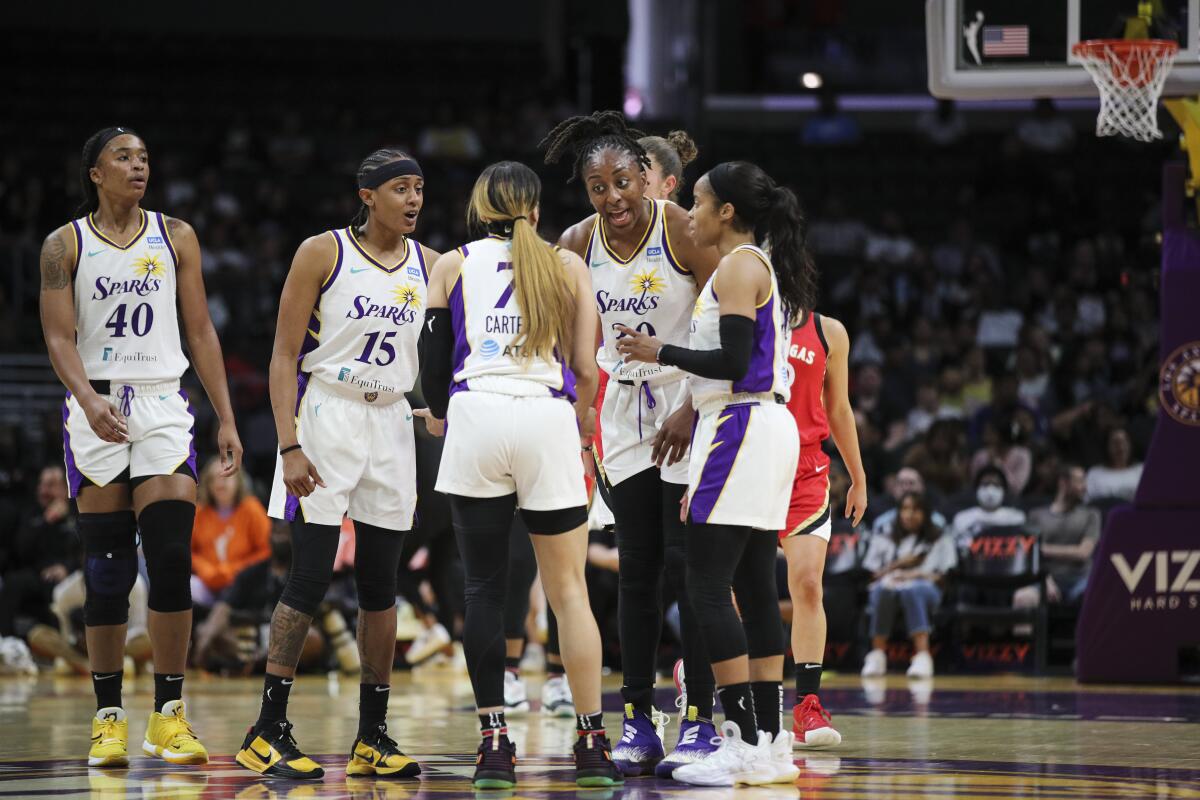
<point x="730" y="363"/>
<point x="436" y="353"/>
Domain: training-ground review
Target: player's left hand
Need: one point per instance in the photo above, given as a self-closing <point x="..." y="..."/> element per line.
<point x="636" y="346"/>
<point x="230" y="448"/>
<point x="856" y="502"/>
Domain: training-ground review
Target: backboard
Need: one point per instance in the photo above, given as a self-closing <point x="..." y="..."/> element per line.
<point x="1016" y="49"/>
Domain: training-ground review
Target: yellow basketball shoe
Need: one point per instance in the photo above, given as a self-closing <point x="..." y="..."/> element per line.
<point x="378" y="754"/>
<point x="110" y="738"/>
<point x="169" y="736"/>
<point x="272" y="751"/>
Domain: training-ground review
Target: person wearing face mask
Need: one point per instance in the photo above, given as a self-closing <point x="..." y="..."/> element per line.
<point x="246" y="607"/>
<point x="990" y="488"/>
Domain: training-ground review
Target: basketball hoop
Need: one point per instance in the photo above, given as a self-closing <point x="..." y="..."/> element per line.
<point x="1130" y="74"/>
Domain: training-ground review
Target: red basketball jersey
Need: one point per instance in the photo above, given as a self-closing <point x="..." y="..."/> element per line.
<point x="806" y="369"/>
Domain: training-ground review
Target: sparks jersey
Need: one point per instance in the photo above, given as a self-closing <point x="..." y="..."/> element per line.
<point x="806" y="378"/>
<point x="487" y="323"/>
<point x="126" y="325"/>
<point x="650" y="292"/>
<point x="768" y="356"/>
<point x="363" y="331"/>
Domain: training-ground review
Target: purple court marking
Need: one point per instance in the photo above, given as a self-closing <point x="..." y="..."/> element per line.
<point x="1182" y="708"/>
<point x="545" y="776"/>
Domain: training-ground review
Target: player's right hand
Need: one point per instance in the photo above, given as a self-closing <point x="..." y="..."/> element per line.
<point x="105" y="419"/>
<point x="299" y="475"/>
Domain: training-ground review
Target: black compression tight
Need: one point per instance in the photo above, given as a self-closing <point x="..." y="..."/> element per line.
<point x="741" y="559"/>
<point x="523" y="571"/>
<point x="652" y="540"/>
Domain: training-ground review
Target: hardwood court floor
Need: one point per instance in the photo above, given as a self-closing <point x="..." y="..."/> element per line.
<point x="959" y="737"/>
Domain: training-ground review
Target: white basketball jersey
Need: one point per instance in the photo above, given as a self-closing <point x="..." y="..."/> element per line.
<point x="650" y="292"/>
<point x="487" y="323"/>
<point x="364" y="329"/>
<point x="768" y="356"/>
<point x="126" y="325"/>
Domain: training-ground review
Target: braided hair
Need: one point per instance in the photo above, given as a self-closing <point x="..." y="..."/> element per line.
<point x="92" y="149"/>
<point x="380" y="157"/>
<point x="587" y="135"/>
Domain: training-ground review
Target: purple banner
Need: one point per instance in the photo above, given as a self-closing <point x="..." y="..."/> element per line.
<point x="1169" y="476"/>
<point x="1142" y="606"/>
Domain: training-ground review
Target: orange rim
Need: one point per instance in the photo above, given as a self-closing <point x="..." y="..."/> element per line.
<point x="1126" y="51"/>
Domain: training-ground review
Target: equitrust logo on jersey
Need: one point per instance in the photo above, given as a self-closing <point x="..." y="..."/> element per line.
<point x="1172" y="584"/>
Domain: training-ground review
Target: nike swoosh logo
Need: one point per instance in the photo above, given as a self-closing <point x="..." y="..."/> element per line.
<point x="266" y="758"/>
<point x="288" y="683"/>
<point x="98" y="252"/>
<point x="812" y="666"/>
<point x="383" y="688"/>
<point x="102" y="677"/>
<point x="407" y="418"/>
<point x="354" y="271"/>
<point x="174" y="677"/>
<point x="822" y="469"/>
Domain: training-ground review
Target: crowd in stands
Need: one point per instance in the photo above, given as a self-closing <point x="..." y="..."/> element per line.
<point x="1001" y="302"/>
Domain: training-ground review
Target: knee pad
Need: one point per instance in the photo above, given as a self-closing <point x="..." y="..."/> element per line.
<point x="376" y="563"/>
<point x="110" y="566"/>
<point x="166" y="528"/>
<point x="314" y="548"/>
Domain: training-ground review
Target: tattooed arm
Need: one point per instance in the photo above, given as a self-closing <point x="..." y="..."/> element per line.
<point x="57" y="305"/>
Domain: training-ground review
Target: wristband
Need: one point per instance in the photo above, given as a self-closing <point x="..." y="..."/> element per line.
<point x="287" y="450"/>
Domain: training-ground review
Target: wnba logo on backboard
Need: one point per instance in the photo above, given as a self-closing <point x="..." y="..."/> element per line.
<point x="1179" y="384"/>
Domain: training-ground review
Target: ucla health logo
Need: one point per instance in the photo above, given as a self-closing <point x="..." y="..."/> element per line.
<point x="1179" y="384"/>
<point x="489" y="349"/>
<point x="155" y="241"/>
<point x="653" y="252"/>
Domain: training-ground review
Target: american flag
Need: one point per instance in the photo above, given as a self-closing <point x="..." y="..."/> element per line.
<point x="1006" y="40"/>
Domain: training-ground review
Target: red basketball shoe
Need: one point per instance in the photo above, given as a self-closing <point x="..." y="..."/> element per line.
<point x="813" y="726"/>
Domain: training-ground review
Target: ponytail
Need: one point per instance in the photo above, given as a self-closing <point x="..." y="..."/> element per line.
<point x="772" y="212"/>
<point x="543" y="293"/>
<point x="787" y="232"/>
<point x="505" y="196"/>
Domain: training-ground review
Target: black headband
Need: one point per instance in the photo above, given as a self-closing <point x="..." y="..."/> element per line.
<point x="106" y="136"/>
<point x="385" y="172"/>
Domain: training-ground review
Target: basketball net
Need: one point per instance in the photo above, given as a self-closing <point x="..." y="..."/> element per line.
<point x="1130" y="74"/>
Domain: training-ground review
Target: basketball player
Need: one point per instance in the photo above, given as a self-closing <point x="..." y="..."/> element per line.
<point x="345" y="353"/>
<point x="511" y="329"/>
<point x="745" y="446"/>
<point x="645" y="272"/>
<point x="110" y="283"/>
<point x="819" y="402"/>
<point x="668" y="156"/>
